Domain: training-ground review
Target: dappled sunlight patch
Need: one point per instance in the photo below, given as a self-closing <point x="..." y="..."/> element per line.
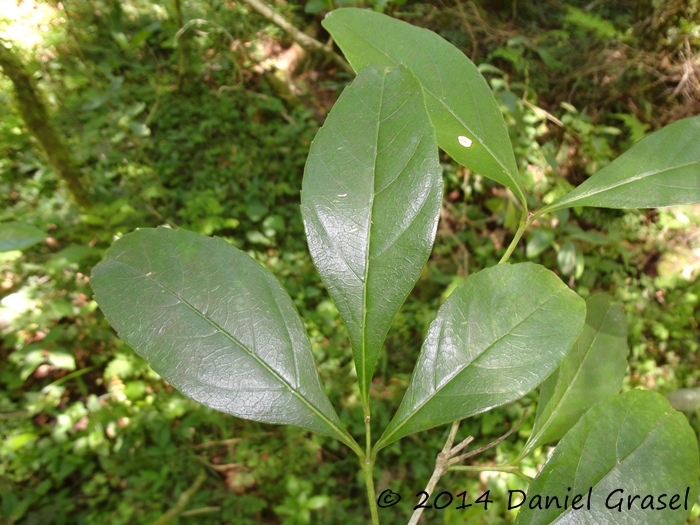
<point x="27" y="19"/>
<point x="14" y="305"/>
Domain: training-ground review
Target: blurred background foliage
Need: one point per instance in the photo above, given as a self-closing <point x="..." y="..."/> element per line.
<point x="199" y="114"/>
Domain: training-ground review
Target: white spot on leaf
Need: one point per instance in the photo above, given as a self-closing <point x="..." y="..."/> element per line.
<point x="464" y="141"/>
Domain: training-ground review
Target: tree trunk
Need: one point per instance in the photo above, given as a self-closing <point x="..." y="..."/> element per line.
<point x="33" y="110"/>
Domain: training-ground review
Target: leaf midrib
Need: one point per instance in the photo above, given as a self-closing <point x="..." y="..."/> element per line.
<point x="270" y="370"/>
<point x="363" y="353"/>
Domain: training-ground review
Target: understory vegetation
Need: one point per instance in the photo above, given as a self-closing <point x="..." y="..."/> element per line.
<point x="199" y="114"/>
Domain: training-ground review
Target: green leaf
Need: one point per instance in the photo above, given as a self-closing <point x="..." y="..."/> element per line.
<point x="140" y="129"/>
<point x="571" y="260"/>
<point x="592" y="370"/>
<point x="591" y="237"/>
<point x="17" y="236"/>
<point x="61" y="358"/>
<point x="661" y="170"/>
<point x="215" y="324"/>
<point x="371" y="199"/>
<point x="685" y="399"/>
<point x="28" y="359"/>
<point x="498" y="336"/>
<point x="315" y="6"/>
<point x="629" y="445"/>
<point x="467" y="119"/>
<point x="539" y="242"/>
<point x="70" y="255"/>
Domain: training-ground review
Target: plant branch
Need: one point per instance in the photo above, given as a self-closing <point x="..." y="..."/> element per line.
<point x="367" y="462"/>
<point x="182" y="501"/>
<point x="479" y="450"/>
<point x="221" y="468"/>
<point x="202" y="510"/>
<point x="495" y="468"/>
<point x="446" y="460"/>
<point x="367" y="467"/>
<point x="299" y="37"/>
<point x="441" y="466"/>
<point x="199" y="22"/>
<point x="461" y="446"/>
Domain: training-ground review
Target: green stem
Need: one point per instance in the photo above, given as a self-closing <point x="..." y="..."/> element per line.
<point x="496" y="468"/>
<point x="182" y="501"/>
<point x="525" y="222"/>
<point x="367" y="462"/>
<point x="368" y="438"/>
<point x="518" y="234"/>
<point x="367" y="467"/>
<point x="72" y="375"/>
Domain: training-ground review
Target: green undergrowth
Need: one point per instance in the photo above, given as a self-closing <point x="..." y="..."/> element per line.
<point x="93" y="436"/>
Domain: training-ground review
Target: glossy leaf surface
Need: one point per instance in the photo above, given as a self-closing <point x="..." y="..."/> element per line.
<point x="634" y="442"/>
<point x="17" y="236"/>
<point x="661" y="170"/>
<point x="215" y="324"/>
<point x="371" y="200"/>
<point x="592" y="371"/>
<point x="498" y="336"/>
<point x="467" y="119"/>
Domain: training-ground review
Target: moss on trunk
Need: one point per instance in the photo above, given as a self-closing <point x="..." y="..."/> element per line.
<point x="33" y="110"/>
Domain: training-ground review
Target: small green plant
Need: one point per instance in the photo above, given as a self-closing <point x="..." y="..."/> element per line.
<point x="219" y="327"/>
<point x="17" y="236"/>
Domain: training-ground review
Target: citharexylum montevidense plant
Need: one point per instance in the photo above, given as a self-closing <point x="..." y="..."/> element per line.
<point x="220" y="328"/>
